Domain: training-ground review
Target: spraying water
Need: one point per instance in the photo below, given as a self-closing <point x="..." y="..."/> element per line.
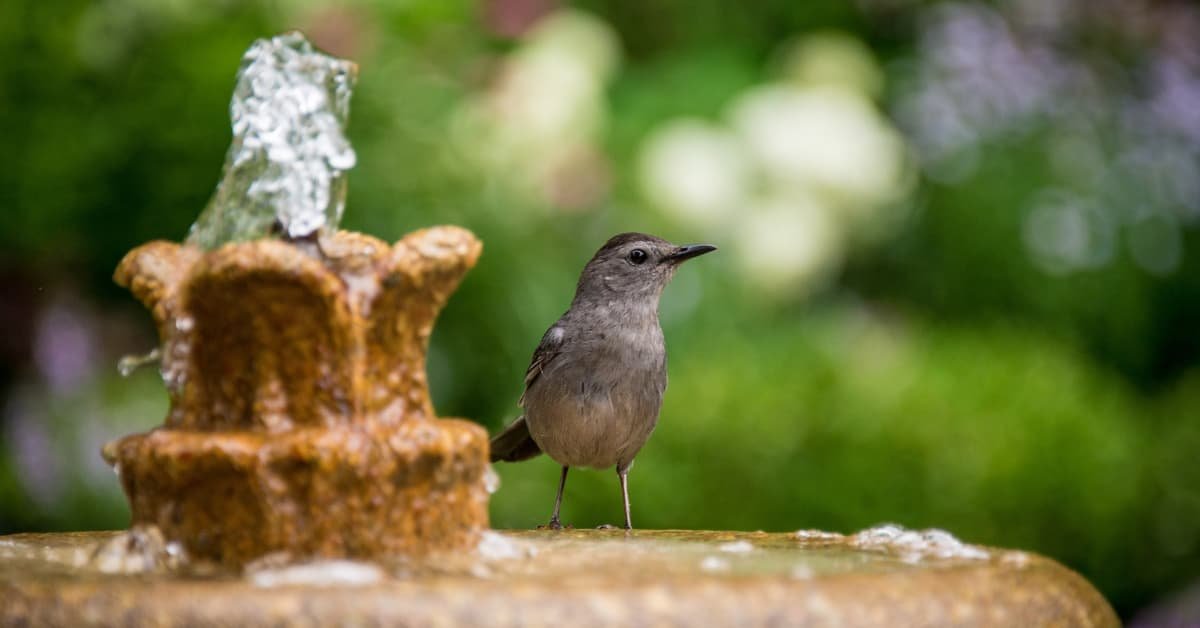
<point x="286" y="167"/>
<point x="285" y="172"/>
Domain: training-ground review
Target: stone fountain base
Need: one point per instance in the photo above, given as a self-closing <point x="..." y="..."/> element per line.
<point x="569" y="578"/>
<point x="311" y="492"/>
<point x="300" y="418"/>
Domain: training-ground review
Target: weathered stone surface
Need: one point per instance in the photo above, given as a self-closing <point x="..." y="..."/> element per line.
<point x="568" y="578"/>
<point x="300" y="418"/>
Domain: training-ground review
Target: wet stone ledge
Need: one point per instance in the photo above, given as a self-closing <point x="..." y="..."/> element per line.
<point x="881" y="576"/>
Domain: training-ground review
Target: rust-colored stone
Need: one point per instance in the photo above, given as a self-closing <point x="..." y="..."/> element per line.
<point x="300" y="418"/>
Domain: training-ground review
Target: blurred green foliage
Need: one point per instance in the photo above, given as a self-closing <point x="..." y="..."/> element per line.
<point x="941" y="379"/>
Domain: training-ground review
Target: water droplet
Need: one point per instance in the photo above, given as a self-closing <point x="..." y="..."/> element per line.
<point x="714" y="563"/>
<point x="491" y="480"/>
<point x="130" y="363"/>
<point x="817" y="535"/>
<point x="323" y="573"/>
<point x="496" y="546"/>
<point x="915" y="545"/>
<point x="737" y="547"/>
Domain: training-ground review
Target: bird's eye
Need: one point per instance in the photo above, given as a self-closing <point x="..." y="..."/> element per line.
<point x="637" y="256"/>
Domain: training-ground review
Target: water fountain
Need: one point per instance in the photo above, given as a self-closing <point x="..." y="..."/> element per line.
<point x="301" y="475"/>
<point x="300" y="418"/>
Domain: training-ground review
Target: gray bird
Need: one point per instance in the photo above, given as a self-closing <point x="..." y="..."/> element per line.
<point x="595" y="385"/>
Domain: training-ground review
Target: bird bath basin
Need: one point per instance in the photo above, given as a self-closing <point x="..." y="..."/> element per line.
<point x="559" y="578"/>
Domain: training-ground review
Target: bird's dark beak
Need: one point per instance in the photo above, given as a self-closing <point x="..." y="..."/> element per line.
<point x="689" y="251"/>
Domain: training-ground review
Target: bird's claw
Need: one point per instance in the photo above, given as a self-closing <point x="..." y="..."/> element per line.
<point x="606" y="526"/>
<point x="553" y="525"/>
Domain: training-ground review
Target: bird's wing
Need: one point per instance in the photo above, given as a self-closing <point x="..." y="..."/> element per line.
<point x="549" y="348"/>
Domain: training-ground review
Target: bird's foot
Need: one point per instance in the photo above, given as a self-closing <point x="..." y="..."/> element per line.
<point x="606" y="526"/>
<point x="554" y="524"/>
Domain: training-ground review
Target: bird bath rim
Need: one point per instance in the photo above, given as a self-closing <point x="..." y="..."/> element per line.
<point x="580" y="577"/>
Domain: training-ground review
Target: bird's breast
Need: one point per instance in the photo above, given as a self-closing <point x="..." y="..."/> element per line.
<point x="599" y="402"/>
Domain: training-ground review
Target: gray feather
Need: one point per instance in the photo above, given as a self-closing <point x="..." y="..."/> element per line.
<point x="514" y="444"/>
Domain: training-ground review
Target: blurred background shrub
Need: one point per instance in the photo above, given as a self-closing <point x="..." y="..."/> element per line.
<point x="959" y="283"/>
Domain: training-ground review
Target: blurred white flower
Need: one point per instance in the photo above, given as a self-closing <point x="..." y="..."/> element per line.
<point x="827" y="140"/>
<point x="552" y="87"/>
<point x="801" y="169"/>
<point x="832" y="59"/>
<point x="694" y="169"/>
<point x="542" y="99"/>
<point x="545" y="109"/>
<point x="580" y="36"/>
<point x="788" y="245"/>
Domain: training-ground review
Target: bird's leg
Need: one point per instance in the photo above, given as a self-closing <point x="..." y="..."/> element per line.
<point x="555" y="524"/>
<point x="623" y="474"/>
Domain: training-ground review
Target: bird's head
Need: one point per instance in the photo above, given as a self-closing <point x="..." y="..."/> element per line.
<point x="635" y="265"/>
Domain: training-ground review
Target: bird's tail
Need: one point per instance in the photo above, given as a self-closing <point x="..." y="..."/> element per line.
<point x="514" y="443"/>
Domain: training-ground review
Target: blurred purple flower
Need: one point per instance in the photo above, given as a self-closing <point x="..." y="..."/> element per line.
<point x="30" y="444"/>
<point x="1123" y="131"/>
<point x="1181" y="609"/>
<point x="64" y="347"/>
<point x="1175" y="97"/>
